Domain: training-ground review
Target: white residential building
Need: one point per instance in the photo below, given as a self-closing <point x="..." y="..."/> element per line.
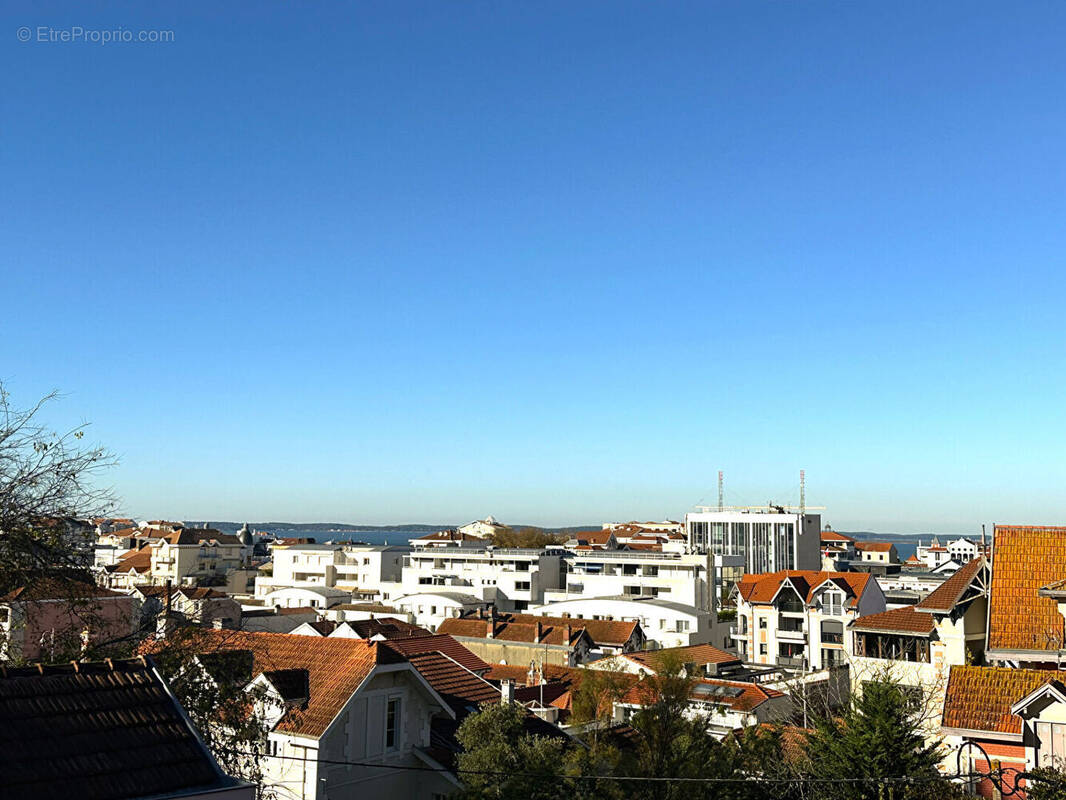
<point x="346" y="719"/>
<point x="510" y="578"/>
<point x="349" y="567"/>
<point x="686" y="579"/>
<point x="797" y="618"/>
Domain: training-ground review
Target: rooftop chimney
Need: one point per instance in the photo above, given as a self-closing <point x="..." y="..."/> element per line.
<point x="492" y="623"/>
<point x="540" y="633"/>
<point x="507" y="690"/>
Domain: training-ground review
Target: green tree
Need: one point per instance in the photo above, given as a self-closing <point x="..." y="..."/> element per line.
<point x="1047" y="783"/>
<point x="876" y="750"/>
<point x="500" y="759"/>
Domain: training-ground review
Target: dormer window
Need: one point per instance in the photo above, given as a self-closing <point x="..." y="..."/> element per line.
<point x="833" y="603"/>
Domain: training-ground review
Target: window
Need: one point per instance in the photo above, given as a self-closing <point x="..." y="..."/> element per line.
<point x="392" y="724"/>
<point x="762" y="649"/>
<point x="833" y="603"/>
<point x="762" y="623"/>
<point x="273" y="747"/>
<point x="1052" y="744"/>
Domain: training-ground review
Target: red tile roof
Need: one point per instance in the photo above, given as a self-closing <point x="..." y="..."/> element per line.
<point x="980" y="698"/>
<point x="335" y="667"/>
<point x="458" y="685"/>
<point x="57" y="589"/>
<point x="592" y="537"/>
<point x="947" y="594"/>
<point x="138" y="560"/>
<point x="417" y="645"/>
<point x="520" y="674"/>
<point x="833" y="536"/>
<point x="1025" y="559"/>
<point x="761" y="588"/>
<point x="693" y="654"/>
<point x="751" y="696"/>
<point x="614" y="633"/>
<point x="874" y="547"/>
<point x="897" y="620"/>
<point x="506" y="631"/>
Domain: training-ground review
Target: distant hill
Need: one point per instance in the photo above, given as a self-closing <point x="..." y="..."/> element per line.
<point x="347" y="527"/>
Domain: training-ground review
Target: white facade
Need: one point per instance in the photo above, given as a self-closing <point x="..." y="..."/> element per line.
<point x="341" y="566"/>
<point x="665" y="624"/>
<point x="766" y="540"/>
<point x="430" y="609"/>
<point x="511" y="578"/>
<point x="317" y="597"/>
<point x="483" y="527"/>
<point x="800" y="627"/>
<point x="679" y="578"/>
<point x="393" y="693"/>
<point x="961" y="551"/>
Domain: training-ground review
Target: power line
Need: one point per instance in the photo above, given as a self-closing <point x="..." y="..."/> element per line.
<point x="902" y="779"/>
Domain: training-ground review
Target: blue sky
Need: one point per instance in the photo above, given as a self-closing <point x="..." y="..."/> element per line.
<point x="395" y="261"/>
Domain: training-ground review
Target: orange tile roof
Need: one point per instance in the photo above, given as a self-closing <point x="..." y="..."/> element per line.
<point x="592" y="537"/>
<point x="139" y="560"/>
<point x="874" y="547"/>
<point x="833" y="536"/>
<point x="1026" y="558"/>
<point x="614" y="633"/>
<point x="761" y="588"/>
<point x="509" y="631"/>
<point x="752" y="694"/>
<point x="897" y="620"/>
<point x="417" y="645"/>
<point x="947" y="594"/>
<point x="693" y="654"/>
<point x="980" y="698"/>
<point x="458" y="685"/>
<point x="520" y="674"/>
<point x="335" y="668"/>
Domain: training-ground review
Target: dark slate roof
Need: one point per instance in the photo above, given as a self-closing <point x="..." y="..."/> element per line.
<point x="97" y="731"/>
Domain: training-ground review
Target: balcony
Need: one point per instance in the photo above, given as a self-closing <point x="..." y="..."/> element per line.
<point x="790" y="661"/>
<point x="791" y="635"/>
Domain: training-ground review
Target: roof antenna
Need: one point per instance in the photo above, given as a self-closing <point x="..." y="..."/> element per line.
<point x="803" y="492"/>
<point x="721" y="495"/>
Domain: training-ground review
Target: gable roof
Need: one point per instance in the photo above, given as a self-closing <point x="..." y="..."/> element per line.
<point x="521" y="628"/>
<point x="736" y="695"/>
<point x="834" y="537"/>
<point x="439" y="643"/>
<point x="760" y="589"/>
<point x="335" y="668"/>
<point x="602" y="631"/>
<point x="97" y="731"/>
<point x="389" y="627"/>
<point x="139" y="560"/>
<point x="693" y="654"/>
<point x="874" y="547"/>
<point x="1025" y="558"/>
<point x="460" y="687"/>
<point x="904" y="620"/>
<point x="945" y="597"/>
<point x="980" y="698"/>
<point x="199" y="536"/>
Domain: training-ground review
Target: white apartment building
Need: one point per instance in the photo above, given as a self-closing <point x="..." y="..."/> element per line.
<point x="687" y="579"/>
<point x="766" y="539"/>
<point x="798" y="618"/>
<point x="348" y="567"/>
<point x="512" y="579"/>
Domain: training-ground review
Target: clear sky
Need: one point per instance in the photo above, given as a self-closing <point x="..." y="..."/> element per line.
<point x="396" y="261"/>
